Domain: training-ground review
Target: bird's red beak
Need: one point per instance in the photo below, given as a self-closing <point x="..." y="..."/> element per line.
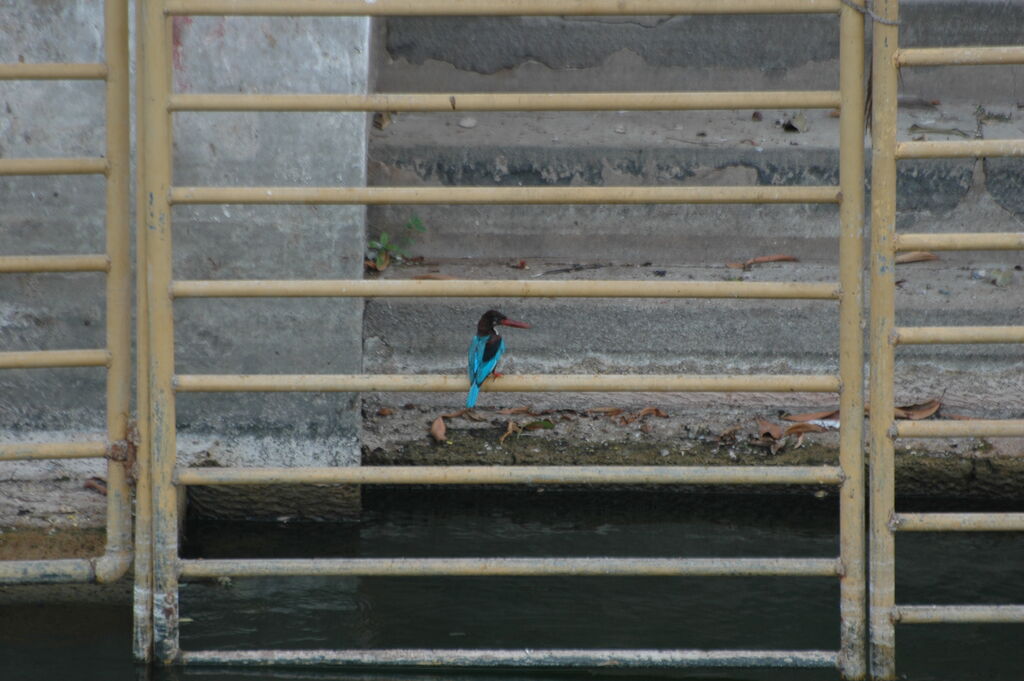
<point x="512" y="322"/>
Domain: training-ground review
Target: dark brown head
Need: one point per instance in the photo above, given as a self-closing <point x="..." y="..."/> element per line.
<point x="491" y="318"/>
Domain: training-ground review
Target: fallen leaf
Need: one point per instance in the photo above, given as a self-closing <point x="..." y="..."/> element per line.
<point x="434" y="275"/>
<point x="769" y="428"/>
<point x="813" y="416"/>
<point x="646" y="428"/>
<point x="729" y="434"/>
<point x="916" y="412"/>
<point x="756" y="116"/>
<point x="384" y="411"/>
<point x="544" y="424"/>
<point x="605" y="411"/>
<point x="512" y="427"/>
<point x="801" y="428"/>
<point x="437" y="429"/>
<point x="958" y="417"/>
<point x="652" y="411"/>
<point x="456" y="414"/>
<point x="915" y="256"/>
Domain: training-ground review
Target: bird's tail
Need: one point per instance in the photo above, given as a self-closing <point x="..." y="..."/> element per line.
<point x="474" y="389"/>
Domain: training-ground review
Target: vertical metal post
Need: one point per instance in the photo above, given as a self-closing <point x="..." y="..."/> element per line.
<point x="119" y="290"/>
<point x="156" y="155"/>
<point x="853" y="633"/>
<point x="142" y="608"/>
<point x="883" y="319"/>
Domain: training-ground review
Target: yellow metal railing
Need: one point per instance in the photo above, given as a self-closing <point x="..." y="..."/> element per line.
<point x="116" y="263"/>
<point x="160" y="103"/>
<point x="888" y="57"/>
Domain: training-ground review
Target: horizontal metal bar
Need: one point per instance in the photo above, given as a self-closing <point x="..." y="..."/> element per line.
<point x="54" y="263"/>
<point x="489" y="8"/>
<point x="959" y="522"/>
<point x="488" y="288"/>
<point x="60" y="571"/>
<point x="372" y="196"/>
<point x="965" y="428"/>
<point x="961" y="149"/>
<point x="936" y="614"/>
<point x="508" y="567"/>
<point x="520" y="475"/>
<point x="53" y="71"/>
<point x="982" y="241"/>
<point x="36" y="359"/>
<point x="959" y="56"/>
<point x="508" y="383"/>
<point x="53" y="166"/>
<point x="519" y="657"/>
<point x="916" y="335"/>
<point x="17" y="451"/>
<point x="531" y="101"/>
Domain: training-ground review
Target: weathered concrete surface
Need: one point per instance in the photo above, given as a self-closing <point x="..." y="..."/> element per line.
<point x="684" y="53"/>
<point x="65" y="215"/>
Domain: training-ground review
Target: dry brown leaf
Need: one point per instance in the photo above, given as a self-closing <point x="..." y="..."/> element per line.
<point x="652" y="411"/>
<point x="512" y="427"/>
<point x="605" y="411"/>
<point x="768" y="428"/>
<point x="438" y="429"/>
<point x="384" y="411"/>
<point x="915" y="256"/>
<point x="916" y="412"/>
<point x="434" y="276"/>
<point x="813" y="416"/>
<point x="958" y="417"/>
<point x="456" y="414"/>
<point x="729" y="434"/>
<point x="801" y="428"/>
<point x="646" y="428"/>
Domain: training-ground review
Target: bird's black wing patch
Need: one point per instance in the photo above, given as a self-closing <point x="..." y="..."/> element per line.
<point x="491" y="349"/>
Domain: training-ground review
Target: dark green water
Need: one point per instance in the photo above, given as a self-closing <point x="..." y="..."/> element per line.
<point x="93" y="642"/>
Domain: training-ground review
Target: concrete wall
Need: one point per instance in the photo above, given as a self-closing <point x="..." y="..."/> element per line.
<point x="65" y="215"/>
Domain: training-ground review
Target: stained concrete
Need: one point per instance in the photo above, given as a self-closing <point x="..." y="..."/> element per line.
<point x="65" y="215"/>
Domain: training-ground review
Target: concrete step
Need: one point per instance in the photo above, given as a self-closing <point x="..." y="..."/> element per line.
<point x="650" y="336"/>
<point x="423" y="54"/>
<point x="676" y="149"/>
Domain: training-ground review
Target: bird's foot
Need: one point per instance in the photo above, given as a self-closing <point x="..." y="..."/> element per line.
<point x="497" y="374"/>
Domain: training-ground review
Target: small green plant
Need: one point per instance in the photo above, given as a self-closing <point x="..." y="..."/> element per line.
<point x="387" y="248"/>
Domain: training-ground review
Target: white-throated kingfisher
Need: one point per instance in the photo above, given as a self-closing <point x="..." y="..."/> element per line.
<point x="485" y="350"/>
